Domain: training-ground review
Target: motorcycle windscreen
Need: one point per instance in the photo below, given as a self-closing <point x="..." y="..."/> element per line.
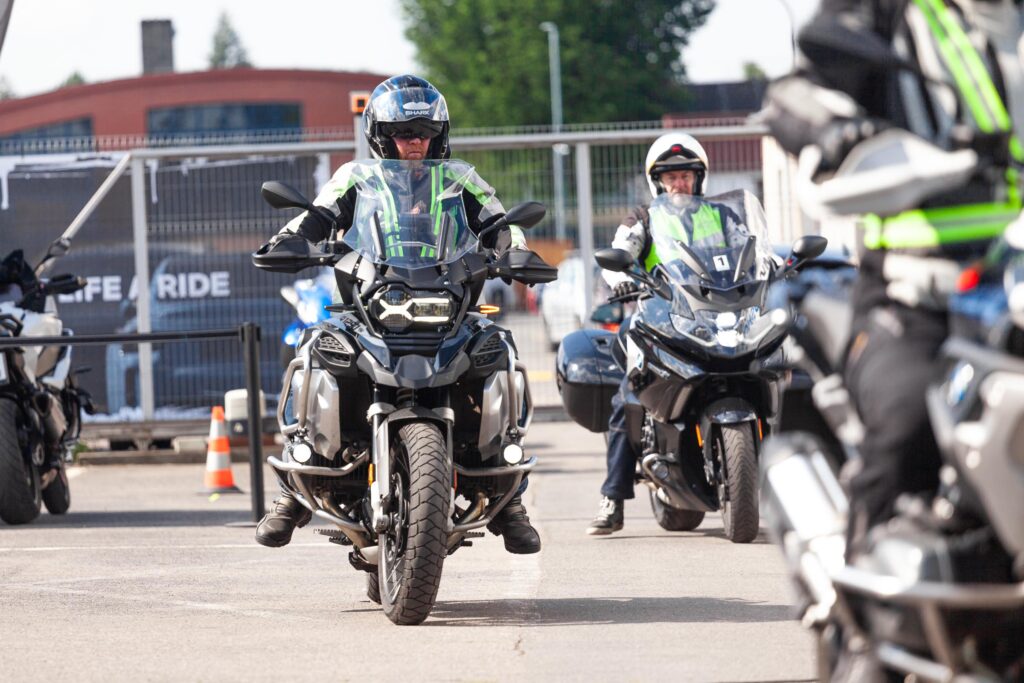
<point x="715" y="242"/>
<point x="410" y="214"/>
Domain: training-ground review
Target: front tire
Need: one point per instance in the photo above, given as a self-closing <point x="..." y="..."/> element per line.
<point x="671" y="519"/>
<point x="20" y="495"/>
<point x="413" y="551"/>
<point x="57" y="496"/>
<point x="739" y="506"/>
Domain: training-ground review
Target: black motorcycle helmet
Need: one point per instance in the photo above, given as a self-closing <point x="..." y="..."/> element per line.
<point x="406" y="105"/>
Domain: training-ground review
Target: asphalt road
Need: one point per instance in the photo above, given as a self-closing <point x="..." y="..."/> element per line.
<point x="143" y="580"/>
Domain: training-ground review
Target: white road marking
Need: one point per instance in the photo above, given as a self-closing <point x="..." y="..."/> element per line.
<point x="198" y="546"/>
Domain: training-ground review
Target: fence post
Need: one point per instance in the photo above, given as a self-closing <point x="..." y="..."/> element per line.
<point x="585" y="218"/>
<point x="142" y="312"/>
<point x="250" y="337"/>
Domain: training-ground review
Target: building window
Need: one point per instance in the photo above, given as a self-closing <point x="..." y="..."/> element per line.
<point x="67" y="136"/>
<point x="236" y="122"/>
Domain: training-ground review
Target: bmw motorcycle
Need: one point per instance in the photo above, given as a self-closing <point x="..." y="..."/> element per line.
<point x="40" y="401"/>
<point x="937" y="594"/>
<point x="703" y="355"/>
<point x="310" y="298"/>
<point x="404" y="413"/>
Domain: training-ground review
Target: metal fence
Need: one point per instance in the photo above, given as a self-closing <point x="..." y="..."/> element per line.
<point x="167" y="231"/>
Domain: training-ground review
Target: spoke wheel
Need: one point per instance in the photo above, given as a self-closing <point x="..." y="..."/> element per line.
<point x="412" y="551"/>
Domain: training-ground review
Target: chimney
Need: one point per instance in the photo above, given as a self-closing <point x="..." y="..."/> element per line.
<point x="157" y="46"/>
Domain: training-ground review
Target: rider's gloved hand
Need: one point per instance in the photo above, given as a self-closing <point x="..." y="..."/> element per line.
<point x="625" y="288"/>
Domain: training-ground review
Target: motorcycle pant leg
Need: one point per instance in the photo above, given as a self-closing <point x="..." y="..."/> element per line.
<point x="889" y="367"/>
<point x="622" y="456"/>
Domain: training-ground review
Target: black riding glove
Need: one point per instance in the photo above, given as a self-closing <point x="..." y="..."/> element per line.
<point x="624" y="289"/>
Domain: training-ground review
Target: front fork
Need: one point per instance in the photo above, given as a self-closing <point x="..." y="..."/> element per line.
<point x="383" y="417"/>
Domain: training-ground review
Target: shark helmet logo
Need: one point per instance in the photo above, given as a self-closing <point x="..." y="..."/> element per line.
<point x="416" y="108"/>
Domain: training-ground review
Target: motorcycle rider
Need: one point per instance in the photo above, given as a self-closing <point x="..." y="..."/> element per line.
<point x="406" y="119"/>
<point x="946" y="71"/>
<point x="676" y="164"/>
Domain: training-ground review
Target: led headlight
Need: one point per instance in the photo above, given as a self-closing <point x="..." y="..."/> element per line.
<point x="397" y="309"/>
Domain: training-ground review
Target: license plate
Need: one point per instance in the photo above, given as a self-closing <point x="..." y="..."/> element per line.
<point x="3" y="368"/>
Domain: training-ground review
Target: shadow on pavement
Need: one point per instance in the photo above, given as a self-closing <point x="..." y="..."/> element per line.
<point x="136" y="518"/>
<point x="761" y="539"/>
<point x="597" y="611"/>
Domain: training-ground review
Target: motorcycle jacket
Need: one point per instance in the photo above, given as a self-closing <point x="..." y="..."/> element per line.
<point x="338" y="199"/>
<point x="947" y="71"/>
<point x="709" y="225"/>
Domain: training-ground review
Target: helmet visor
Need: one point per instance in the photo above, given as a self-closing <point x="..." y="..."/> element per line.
<point x="406" y="104"/>
<point x="424" y="129"/>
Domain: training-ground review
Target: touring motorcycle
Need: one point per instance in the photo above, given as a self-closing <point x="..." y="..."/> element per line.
<point x="40" y="401"/>
<point x="703" y="357"/>
<point x="404" y="413"/>
<point x="938" y="592"/>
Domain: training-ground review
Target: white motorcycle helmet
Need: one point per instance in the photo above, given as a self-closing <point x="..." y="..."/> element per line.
<point x="676" y="152"/>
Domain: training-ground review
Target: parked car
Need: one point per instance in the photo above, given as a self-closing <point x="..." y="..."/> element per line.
<point x="562" y="303"/>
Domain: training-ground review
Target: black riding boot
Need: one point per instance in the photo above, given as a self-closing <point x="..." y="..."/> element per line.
<point x="276" y="527"/>
<point x="512" y="524"/>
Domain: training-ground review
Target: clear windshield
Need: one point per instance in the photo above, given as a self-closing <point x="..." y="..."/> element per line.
<point x="715" y="242"/>
<point x="410" y="213"/>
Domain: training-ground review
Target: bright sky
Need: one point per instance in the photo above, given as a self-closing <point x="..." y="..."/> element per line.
<point x="48" y="40"/>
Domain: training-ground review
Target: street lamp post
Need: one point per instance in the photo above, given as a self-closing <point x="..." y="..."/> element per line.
<point x="558" y="151"/>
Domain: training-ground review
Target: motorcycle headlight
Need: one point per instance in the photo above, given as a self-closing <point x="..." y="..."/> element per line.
<point x="398" y="309"/>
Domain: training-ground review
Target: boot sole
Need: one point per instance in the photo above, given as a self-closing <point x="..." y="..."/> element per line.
<point x="271" y="543"/>
<point x="597" y="531"/>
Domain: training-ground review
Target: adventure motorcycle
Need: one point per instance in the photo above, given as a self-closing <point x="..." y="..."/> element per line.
<point x="703" y="356"/>
<point x="938" y="591"/>
<point x="40" y="401"/>
<point x="410" y="405"/>
<point x="310" y="298"/>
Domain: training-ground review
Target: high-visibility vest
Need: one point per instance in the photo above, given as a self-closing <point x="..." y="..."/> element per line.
<point x="706" y="230"/>
<point x="930" y="228"/>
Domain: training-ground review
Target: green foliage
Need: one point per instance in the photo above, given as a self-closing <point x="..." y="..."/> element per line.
<point x="75" y="78"/>
<point x="228" y="52"/>
<point x="620" y="60"/>
<point x="753" y="72"/>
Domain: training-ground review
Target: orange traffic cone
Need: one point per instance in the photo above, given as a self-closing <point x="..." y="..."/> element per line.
<point x="218" y="456"/>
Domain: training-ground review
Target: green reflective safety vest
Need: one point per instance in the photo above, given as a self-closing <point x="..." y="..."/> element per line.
<point x="389" y="212"/>
<point x="922" y="229"/>
<point x="706" y="231"/>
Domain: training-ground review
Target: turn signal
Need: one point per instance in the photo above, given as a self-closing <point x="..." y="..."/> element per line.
<point x="488" y="309"/>
<point x="968" y="280"/>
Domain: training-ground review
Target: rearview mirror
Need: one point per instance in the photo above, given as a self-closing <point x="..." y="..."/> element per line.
<point x="809" y="247"/>
<point x="526" y="215"/>
<point x="822" y="40"/>
<point x="282" y="196"/>
<point x="615" y="260"/>
<point x="804" y="249"/>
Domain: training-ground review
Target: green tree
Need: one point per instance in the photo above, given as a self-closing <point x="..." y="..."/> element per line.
<point x="228" y="52"/>
<point x="75" y="78"/>
<point x="620" y="61"/>
<point x="752" y="71"/>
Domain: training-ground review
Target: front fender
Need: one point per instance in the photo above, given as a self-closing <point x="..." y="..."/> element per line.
<point x="727" y="411"/>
